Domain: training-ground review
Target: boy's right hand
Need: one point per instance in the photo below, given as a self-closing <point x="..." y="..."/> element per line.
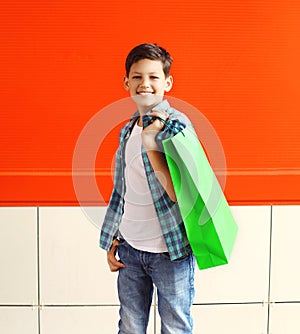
<point x="114" y="264"/>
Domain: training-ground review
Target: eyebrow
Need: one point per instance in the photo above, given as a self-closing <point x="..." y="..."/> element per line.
<point x="148" y="73"/>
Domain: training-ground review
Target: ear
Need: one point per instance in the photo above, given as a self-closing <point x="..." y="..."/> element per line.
<point x="168" y="83"/>
<point x="126" y="82"/>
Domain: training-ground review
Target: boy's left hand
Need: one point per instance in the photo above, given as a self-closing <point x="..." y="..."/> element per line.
<point x="150" y="132"/>
<point x="114" y="264"/>
<point x="157" y="124"/>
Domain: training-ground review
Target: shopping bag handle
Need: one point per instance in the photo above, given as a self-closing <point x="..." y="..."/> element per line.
<point x="174" y="128"/>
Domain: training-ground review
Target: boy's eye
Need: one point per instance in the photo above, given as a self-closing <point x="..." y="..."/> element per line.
<point x="153" y="77"/>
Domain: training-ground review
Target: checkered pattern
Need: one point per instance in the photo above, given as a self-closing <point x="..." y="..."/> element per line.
<point x="167" y="211"/>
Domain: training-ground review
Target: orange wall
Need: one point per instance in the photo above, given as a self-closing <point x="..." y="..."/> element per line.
<point x="235" y="61"/>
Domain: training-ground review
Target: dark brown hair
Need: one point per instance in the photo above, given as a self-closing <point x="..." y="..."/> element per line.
<point x="152" y="52"/>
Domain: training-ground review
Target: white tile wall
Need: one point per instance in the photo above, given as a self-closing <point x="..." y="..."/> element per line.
<point x="73" y="267"/>
<point x="230" y="319"/>
<point x="82" y="320"/>
<point x="16" y="320"/>
<point x="246" y="277"/>
<point x="284" y="318"/>
<point x="285" y="274"/>
<point x="18" y="256"/>
<point x="78" y="292"/>
<point x="79" y="320"/>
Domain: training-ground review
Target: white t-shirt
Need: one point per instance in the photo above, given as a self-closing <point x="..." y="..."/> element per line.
<point x="140" y="226"/>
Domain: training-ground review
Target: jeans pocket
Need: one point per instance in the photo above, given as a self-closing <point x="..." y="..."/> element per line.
<point x="183" y="258"/>
<point x="121" y="242"/>
<point x="166" y="256"/>
<point x="123" y="249"/>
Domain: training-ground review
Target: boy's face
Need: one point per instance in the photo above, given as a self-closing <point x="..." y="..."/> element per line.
<point x="147" y="83"/>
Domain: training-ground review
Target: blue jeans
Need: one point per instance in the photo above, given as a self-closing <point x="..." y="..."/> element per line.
<point x="174" y="281"/>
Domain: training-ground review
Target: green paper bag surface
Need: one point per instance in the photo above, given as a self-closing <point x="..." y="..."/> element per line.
<point x="210" y="226"/>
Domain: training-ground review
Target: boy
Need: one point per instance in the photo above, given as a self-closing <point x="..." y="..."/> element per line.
<point x="143" y="223"/>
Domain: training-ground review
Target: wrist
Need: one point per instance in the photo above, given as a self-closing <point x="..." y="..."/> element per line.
<point x="149" y="140"/>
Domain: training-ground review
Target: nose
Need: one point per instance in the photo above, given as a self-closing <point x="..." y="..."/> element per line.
<point x="144" y="83"/>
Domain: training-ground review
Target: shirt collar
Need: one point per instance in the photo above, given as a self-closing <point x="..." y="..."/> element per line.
<point x="163" y="105"/>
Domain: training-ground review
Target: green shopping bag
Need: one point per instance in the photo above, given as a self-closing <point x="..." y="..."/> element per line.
<point x="210" y="226"/>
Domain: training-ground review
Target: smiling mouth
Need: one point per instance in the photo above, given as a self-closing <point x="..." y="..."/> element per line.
<point x="145" y="93"/>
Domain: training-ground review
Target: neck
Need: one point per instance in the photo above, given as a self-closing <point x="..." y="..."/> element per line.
<point x="142" y="105"/>
<point x="144" y="109"/>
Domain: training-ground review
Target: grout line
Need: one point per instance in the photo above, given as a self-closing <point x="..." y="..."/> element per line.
<point x="287" y="302"/>
<point x="270" y="268"/>
<point x="228" y="304"/>
<point x="18" y="305"/>
<point x="38" y="270"/>
<point x="77" y="305"/>
<point x="154" y="306"/>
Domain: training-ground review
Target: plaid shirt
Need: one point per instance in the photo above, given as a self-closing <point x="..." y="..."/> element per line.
<point x="167" y="211"/>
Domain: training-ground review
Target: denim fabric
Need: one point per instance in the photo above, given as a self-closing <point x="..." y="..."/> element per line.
<point x="174" y="281"/>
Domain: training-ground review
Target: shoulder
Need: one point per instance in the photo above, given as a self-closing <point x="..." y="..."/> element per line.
<point x="176" y="115"/>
